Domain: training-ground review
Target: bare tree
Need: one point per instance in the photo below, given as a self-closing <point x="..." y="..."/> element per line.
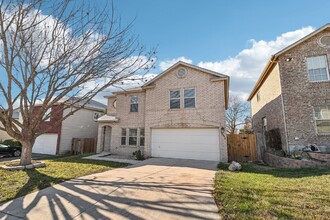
<point x="236" y="113"/>
<point x="50" y="50"/>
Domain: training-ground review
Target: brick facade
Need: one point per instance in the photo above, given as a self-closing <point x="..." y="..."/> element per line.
<point x="293" y="110"/>
<point x="301" y="96"/>
<point x="154" y="110"/>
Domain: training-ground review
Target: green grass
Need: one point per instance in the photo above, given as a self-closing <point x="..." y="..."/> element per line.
<point x="260" y="192"/>
<point x="14" y="184"/>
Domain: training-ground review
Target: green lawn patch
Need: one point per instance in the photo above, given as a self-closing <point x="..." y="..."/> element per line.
<point x="14" y="184"/>
<point x="261" y="192"/>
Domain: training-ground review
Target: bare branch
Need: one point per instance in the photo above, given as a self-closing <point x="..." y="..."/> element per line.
<point x="51" y="50"/>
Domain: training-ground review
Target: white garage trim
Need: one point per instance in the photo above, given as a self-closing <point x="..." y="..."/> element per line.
<point x="45" y="144"/>
<point x="195" y="143"/>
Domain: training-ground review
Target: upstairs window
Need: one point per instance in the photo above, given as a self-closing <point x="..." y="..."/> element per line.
<point x="322" y="118"/>
<point x="317" y="68"/>
<point x="47" y="115"/>
<point x="132" y="136"/>
<point x="175" y="99"/>
<point x="134" y="104"/>
<point x="16" y="115"/>
<point x="189" y="98"/>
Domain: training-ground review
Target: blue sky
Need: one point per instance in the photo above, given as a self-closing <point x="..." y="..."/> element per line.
<point x="232" y="37"/>
<point x="216" y="29"/>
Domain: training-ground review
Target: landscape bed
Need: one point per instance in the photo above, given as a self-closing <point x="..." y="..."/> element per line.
<point x="14" y="184"/>
<point x="262" y="192"/>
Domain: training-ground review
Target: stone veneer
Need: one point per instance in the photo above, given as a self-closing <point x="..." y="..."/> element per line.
<point x="284" y="162"/>
<point x="320" y="156"/>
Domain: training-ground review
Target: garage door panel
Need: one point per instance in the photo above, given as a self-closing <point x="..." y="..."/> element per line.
<point x="45" y="144"/>
<point x="211" y="146"/>
<point x="202" y="144"/>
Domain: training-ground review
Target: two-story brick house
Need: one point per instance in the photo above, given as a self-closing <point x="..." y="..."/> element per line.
<point x="293" y="93"/>
<point x="178" y="114"/>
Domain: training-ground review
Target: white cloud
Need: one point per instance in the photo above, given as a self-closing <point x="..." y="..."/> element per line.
<point x="246" y="67"/>
<point x="164" y="65"/>
<point x="133" y="81"/>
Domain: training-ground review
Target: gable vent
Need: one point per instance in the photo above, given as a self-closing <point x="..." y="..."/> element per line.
<point x="324" y="41"/>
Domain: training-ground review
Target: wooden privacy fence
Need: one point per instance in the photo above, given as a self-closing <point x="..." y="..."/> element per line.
<point x="242" y="147"/>
<point x="83" y="145"/>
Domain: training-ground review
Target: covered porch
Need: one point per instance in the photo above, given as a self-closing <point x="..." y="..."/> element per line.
<point x="105" y="133"/>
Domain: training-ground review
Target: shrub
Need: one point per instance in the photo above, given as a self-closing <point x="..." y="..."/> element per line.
<point x="12" y="143"/>
<point x="138" y="155"/>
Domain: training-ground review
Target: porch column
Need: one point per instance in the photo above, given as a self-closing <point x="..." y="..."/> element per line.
<point x="99" y="139"/>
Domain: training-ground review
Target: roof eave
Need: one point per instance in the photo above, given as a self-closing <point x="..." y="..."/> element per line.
<point x="264" y="75"/>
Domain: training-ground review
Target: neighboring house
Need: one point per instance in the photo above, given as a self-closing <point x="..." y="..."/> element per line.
<point x="82" y="124"/>
<point x="178" y="114"/>
<point x="3" y="135"/>
<point x="293" y="93"/>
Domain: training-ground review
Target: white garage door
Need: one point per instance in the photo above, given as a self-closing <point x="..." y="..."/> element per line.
<point x="45" y="144"/>
<point x="199" y="144"/>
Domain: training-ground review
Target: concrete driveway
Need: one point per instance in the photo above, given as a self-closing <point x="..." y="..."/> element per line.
<point x="157" y="188"/>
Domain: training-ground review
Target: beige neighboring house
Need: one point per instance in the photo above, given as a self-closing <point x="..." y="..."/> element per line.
<point x="178" y="114"/>
<point x="58" y="140"/>
<point x="3" y="135"/>
<point x="293" y="93"/>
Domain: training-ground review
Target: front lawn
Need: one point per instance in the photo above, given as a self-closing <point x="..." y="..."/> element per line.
<point x="14" y="184"/>
<point x="261" y="192"/>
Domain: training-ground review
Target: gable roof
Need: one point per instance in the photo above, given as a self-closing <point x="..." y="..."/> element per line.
<point x="219" y="76"/>
<point x="181" y="63"/>
<point x="274" y="58"/>
<point x="90" y="105"/>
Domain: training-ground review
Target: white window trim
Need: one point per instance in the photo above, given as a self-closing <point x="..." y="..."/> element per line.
<point x="48" y="114"/>
<point x="129" y="136"/>
<point x="190" y="97"/>
<point x="315" y="122"/>
<point x="121" y="136"/>
<point x="172" y="90"/>
<point x="144" y="136"/>
<point x="134" y="103"/>
<point x="327" y="69"/>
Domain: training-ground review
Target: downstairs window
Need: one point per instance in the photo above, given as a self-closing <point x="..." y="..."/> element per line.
<point x="322" y="118"/>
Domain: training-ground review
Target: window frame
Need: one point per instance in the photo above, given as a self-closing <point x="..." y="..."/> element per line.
<point x="47" y="113"/>
<point x="326" y="66"/>
<point x="170" y="98"/>
<point x="16" y="115"/>
<point x="131" y="104"/>
<point x="317" y="120"/>
<point x="123" y="137"/>
<point x="129" y="137"/>
<point x="258" y="96"/>
<point x="184" y="98"/>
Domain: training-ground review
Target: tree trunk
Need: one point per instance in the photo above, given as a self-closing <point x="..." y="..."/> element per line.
<point x="26" y="156"/>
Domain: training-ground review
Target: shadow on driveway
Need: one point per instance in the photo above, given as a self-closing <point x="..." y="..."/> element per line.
<point x="158" y="189"/>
